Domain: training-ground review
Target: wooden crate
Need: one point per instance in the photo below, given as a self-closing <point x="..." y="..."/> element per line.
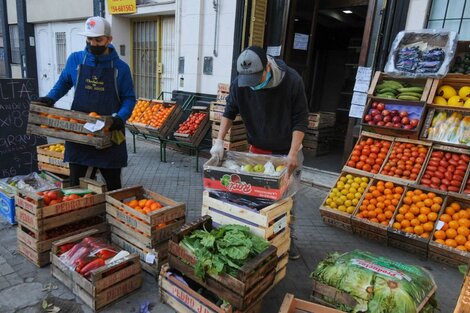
<point x="318" y="139"/>
<point x="170" y="124"/>
<point x="67" y="130"/>
<point x="463" y="303"/>
<point x="426" y="132"/>
<point x="294" y="305"/>
<point x="445" y="254"/>
<point x="223" y="91"/>
<point x="235" y="134"/>
<point x="455" y="80"/>
<point x="144" y="228"/>
<point x="252" y="280"/>
<point x="407" y="241"/>
<point x="241" y="145"/>
<point x="217" y="110"/>
<point x="321" y="120"/>
<point x="185" y="299"/>
<point x="106" y="284"/>
<point x="60" y="181"/>
<point x="201" y="131"/>
<point x="396" y="132"/>
<point x="367" y="229"/>
<point x="151" y="259"/>
<point x="52" y="161"/>
<point x="266" y="223"/>
<point x="426" y="83"/>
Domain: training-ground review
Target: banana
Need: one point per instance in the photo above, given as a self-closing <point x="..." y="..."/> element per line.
<point x="411" y="89"/>
<point x="388" y="90"/>
<point x="386" y="96"/>
<point x="392" y="83"/>
<point x="410" y="98"/>
<point x="413" y="94"/>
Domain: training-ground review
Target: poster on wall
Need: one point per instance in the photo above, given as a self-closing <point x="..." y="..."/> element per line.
<point x="300" y="41"/>
<point x="121" y="6"/>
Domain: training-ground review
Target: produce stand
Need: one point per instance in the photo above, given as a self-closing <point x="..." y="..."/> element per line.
<point x="106" y="284"/>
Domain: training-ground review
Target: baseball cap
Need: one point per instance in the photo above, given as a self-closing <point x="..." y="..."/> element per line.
<point x="96" y="26"/>
<point x="250" y="65"/>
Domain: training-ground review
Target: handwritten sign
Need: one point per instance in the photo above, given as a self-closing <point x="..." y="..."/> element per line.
<point x="17" y="149"/>
<point x="121" y="6"/>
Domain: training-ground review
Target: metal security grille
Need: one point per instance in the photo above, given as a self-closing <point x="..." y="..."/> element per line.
<point x="61" y="51"/>
<point x="145" y="59"/>
<point x="451" y="15"/>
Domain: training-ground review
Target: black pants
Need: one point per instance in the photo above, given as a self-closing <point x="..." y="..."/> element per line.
<point x="112" y="176"/>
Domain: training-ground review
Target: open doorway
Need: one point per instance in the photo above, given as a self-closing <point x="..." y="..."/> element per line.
<point x="323" y="43"/>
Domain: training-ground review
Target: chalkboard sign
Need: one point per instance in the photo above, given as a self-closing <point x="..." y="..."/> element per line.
<point x="17" y="149"/>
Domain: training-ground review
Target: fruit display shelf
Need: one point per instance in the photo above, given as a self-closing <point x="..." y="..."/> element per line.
<point x="344" y="198"/>
<point x="194" y="128"/>
<point x="413" y="224"/>
<point x="450" y="91"/>
<point x="375" y="211"/>
<point x="384" y="86"/>
<point x="398" y="118"/>
<point x="369" y="153"/>
<point x="405" y="161"/>
<point x="450" y="243"/>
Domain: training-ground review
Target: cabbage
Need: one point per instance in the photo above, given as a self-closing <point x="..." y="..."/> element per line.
<point x="389" y="297"/>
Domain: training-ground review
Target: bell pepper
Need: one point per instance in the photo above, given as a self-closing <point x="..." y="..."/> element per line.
<point x="64" y="248"/>
<point x="106" y="253"/>
<point x="96" y="263"/>
<point x="82" y="262"/>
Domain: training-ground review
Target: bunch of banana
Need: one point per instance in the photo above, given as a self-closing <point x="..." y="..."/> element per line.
<point x="392" y="89"/>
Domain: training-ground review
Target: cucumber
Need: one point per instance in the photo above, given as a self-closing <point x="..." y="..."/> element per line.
<point x="413" y="94"/>
<point x="409" y="98"/>
<point x="411" y="89"/>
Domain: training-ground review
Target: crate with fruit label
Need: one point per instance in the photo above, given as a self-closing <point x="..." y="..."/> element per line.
<point x="195" y="127"/>
<point x="405" y="161"/>
<point x="88" y="129"/>
<point x="369" y="153"/>
<point x="384" y="86"/>
<point x="451" y="92"/>
<point x="51" y="158"/>
<point x="95" y="271"/>
<point x="450" y="126"/>
<point x="398" y="118"/>
<point x="147" y="216"/>
<point x="376" y="209"/>
<point x="450" y="243"/>
<point x="413" y="224"/>
<point x="165" y="120"/>
<point x="343" y="199"/>
<point x="445" y="169"/>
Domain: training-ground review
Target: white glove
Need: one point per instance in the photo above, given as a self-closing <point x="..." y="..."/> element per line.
<point x="217" y="149"/>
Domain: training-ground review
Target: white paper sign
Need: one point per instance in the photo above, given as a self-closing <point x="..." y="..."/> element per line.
<point x="280" y="225"/>
<point x="94" y="127"/>
<point x="361" y="85"/>
<point x="274" y="51"/>
<point x="150" y="258"/>
<point x="364" y="73"/>
<point x="439" y="225"/>
<point x="356" y="111"/>
<point x="359" y="98"/>
<point x="300" y="41"/>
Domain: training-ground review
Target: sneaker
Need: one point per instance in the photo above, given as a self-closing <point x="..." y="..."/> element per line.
<point x="293" y="252"/>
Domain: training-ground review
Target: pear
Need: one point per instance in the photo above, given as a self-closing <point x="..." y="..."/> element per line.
<point x="248" y="168"/>
<point x="279" y="168"/>
<point x="259" y="168"/>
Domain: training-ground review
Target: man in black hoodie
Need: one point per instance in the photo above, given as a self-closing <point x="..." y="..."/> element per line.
<point x="270" y="98"/>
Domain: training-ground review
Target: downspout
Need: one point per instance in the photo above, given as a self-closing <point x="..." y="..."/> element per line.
<point x="216" y="5"/>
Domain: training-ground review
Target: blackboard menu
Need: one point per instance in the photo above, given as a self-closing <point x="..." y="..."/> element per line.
<point x="17" y="149"/>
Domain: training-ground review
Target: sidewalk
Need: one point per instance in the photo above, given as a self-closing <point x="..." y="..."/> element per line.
<point x="23" y="286"/>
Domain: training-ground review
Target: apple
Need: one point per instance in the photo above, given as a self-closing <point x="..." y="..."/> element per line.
<point x="378" y="118"/>
<point x="405" y="120"/>
<point x="368" y="118"/>
<point x="248" y="168"/>
<point x="380" y="107"/>
<point x="371" y="122"/>
<point x="394" y="112"/>
<point x="258" y="168"/>
<point x="403" y="114"/>
<point x="414" y="122"/>
<point x="374" y="104"/>
<point x="387" y="118"/>
<point x="396" y="119"/>
<point x="409" y="126"/>
<point x="397" y="125"/>
<point x="389" y="124"/>
<point x="385" y="112"/>
<point x="374" y="112"/>
<point x="380" y="123"/>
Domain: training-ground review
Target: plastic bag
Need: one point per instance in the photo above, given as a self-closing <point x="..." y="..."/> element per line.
<point x="423" y="53"/>
<point x="31" y="182"/>
<point x="378" y="284"/>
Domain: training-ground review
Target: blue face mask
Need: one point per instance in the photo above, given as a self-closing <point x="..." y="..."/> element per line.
<point x="263" y="84"/>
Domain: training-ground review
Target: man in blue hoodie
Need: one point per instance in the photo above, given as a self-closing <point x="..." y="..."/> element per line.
<point x="103" y="84"/>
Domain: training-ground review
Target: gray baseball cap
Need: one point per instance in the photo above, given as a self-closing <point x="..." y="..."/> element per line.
<point x="250" y="65"/>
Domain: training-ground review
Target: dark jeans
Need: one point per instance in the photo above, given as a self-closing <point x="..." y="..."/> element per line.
<point x="112" y="176"/>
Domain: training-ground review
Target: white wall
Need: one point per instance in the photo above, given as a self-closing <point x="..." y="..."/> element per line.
<point x="58" y="10"/>
<point x="121" y="28"/>
<point x="11" y="11"/>
<point x="197" y="28"/>
<point x="417" y="11"/>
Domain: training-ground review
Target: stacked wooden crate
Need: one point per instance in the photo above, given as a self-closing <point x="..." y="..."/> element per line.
<point x="235" y="139"/>
<point x="140" y="232"/>
<point x="320" y="132"/>
<point x="51" y="159"/>
<point x="39" y="224"/>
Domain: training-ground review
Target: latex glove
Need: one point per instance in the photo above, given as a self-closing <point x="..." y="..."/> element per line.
<point x="217" y="149"/>
<point x="46" y="101"/>
<point x="118" y="124"/>
<point x="291" y="162"/>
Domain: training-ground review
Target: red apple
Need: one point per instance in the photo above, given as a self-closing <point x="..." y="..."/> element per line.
<point x="387" y="118"/>
<point x="385" y="112"/>
<point x="414" y="122"/>
<point x="374" y="104"/>
<point x="374" y="112"/>
<point x="405" y="120"/>
<point x="403" y="114"/>
<point x="409" y="126"/>
<point x="389" y="124"/>
<point x="377" y="118"/>
<point x="397" y="125"/>
<point x="394" y="112"/>
<point x="371" y="123"/>
<point x="368" y="118"/>
<point x="380" y="123"/>
<point x="396" y="119"/>
<point x="380" y="106"/>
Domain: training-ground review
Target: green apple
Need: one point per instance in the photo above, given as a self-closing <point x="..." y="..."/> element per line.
<point x="279" y="168"/>
<point x="259" y="168"/>
<point x="248" y="168"/>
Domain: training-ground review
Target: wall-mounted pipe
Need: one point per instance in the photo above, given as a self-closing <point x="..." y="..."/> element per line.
<point x="216" y="6"/>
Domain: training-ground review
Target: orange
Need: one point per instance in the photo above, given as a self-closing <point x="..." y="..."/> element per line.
<point x="422" y="218"/>
<point x="396" y="225"/>
<point x="405" y="223"/>
<point x="415" y="222"/>
<point x="142" y="202"/>
<point x="409" y="230"/>
<point x="133" y="203"/>
<point x="437" y="200"/>
<point x="424" y="210"/>
<point x="442" y="242"/>
<point x="435" y="207"/>
<point x="407" y="200"/>
<point x="432" y="216"/>
<point x="431" y="195"/>
<point x="148" y="203"/>
<point x="398" y="190"/>
<point x="461" y="240"/>
<point x="418" y="230"/>
<point x="155" y="206"/>
<point x="428" y="202"/>
<point x="465" y="222"/>
<point x="388" y="214"/>
<point x="372" y="214"/>
<point x="389" y="185"/>
<point x="463" y="231"/>
<point x="400" y="217"/>
<point x="445" y="218"/>
<point x="467" y="245"/>
<point x="454" y="224"/>
<point x="423" y="196"/>
<point x="456" y="216"/>
<point x="403" y="210"/>
<point x="374" y="220"/>
<point x="417" y="192"/>
<point x="420" y="204"/>
<point x="451" y="233"/>
<point x="463" y="248"/>
<point x="455" y="206"/>
<point x="464" y="214"/>
<point x="409" y="216"/>
<point x="381" y="217"/>
<point x="428" y="227"/>
<point x="416" y="199"/>
<point x="425" y="235"/>
<point x="414" y="210"/>
<point x="451" y="243"/>
<point x="410" y="194"/>
<point x="440" y="234"/>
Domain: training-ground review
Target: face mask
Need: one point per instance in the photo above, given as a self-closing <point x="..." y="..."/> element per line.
<point x="96" y="50"/>
<point x="263" y="84"/>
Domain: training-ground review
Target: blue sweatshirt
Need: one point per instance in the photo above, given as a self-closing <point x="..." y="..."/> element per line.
<point x="125" y="86"/>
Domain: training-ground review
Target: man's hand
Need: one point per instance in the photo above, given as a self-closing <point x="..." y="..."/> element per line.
<point x="118" y="124"/>
<point x="46" y="101"/>
<point x="291" y="162"/>
<point x="217" y="149"/>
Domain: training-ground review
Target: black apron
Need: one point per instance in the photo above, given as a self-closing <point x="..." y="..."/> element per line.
<point x="96" y="91"/>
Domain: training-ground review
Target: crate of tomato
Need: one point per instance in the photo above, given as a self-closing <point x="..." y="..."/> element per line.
<point x="195" y="127"/>
<point x="95" y="271"/>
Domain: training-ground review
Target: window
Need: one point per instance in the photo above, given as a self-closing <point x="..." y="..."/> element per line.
<point x="60" y="49"/>
<point x="15" y="45"/>
<point x="453" y="15"/>
<point x="145" y="59"/>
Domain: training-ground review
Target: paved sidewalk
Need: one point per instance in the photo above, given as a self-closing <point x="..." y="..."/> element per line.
<point x="23" y="286"/>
